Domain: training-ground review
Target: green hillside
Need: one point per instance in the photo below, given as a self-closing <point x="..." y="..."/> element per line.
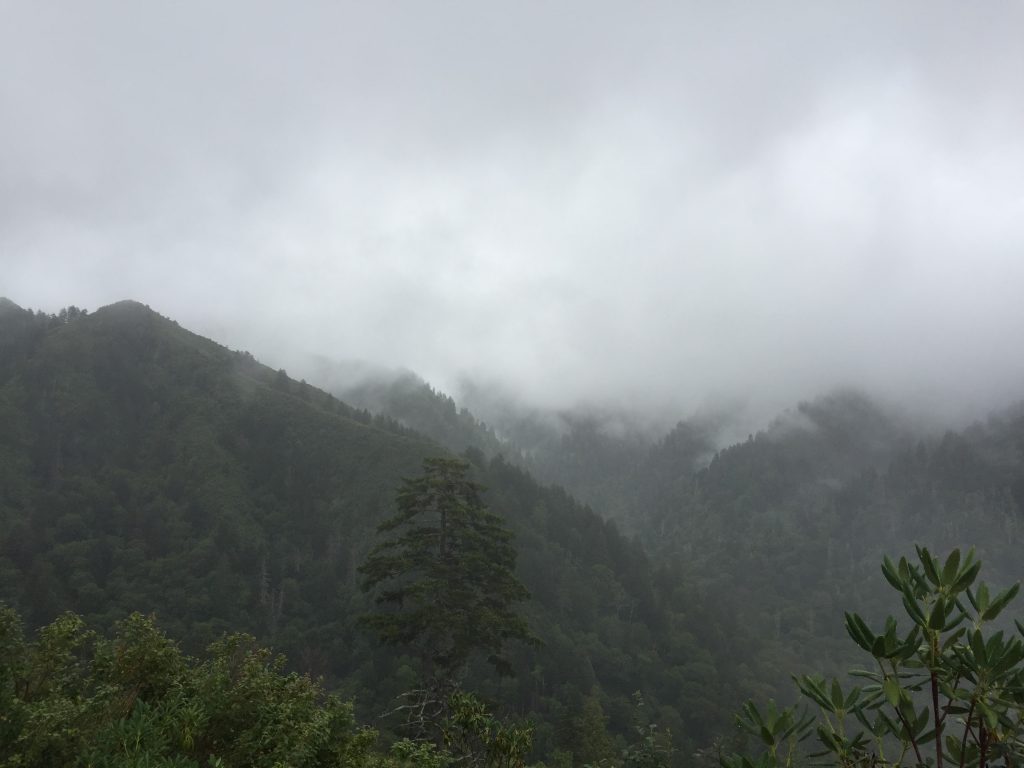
<point x="787" y="527"/>
<point x="144" y="468"/>
<point x="412" y="402"/>
<point x="148" y="469"/>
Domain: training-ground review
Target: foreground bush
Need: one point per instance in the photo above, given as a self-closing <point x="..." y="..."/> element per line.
<point x="73" y="698"/>
<point x="948" y="691"/>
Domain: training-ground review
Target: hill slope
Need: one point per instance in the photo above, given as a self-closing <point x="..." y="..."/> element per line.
<point x="146" y="468"/>
<point x="787" y="527"/>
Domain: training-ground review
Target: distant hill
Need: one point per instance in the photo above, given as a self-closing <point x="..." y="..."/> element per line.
<point x="787" y="527"/>
<point x="188" y="457"/>
<point x="408" y="399"/>
<point x="143" y="467"/>
<point x="589" y="452"/>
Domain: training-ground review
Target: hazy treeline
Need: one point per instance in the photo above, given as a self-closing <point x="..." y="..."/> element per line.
<point x="144" y="468"/>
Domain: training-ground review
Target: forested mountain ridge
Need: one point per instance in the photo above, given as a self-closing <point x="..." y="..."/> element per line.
<point x="412" y="402"/>
<point x="592" y="453"/>
<point x="143" y="467"/>
<point x="787" y="527"/>
<point x="684" y="491"/>
<point x="146" y="468"/>
<point x="792" y="523"/>
<point x="123" y="418"/>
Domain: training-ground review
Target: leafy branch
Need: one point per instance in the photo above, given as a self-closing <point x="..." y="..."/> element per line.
<point x="945" y="691"/>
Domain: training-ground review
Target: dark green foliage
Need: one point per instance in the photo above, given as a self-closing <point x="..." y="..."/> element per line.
<point x="785" y="528"/>
<point x="145" y="468"/>
<point x="448" y="572"/>
<point x="948" y="690"/>
<point x="474" y="737"/>
<point x="72" y="698"/>
<point x="782" y="529"/>
<point x="653" y="748"/>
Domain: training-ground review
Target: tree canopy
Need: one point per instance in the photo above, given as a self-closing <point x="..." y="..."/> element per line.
<point x="446" y="576"/>
<point x="948" y="691"/>
<point x="72" y="697"/>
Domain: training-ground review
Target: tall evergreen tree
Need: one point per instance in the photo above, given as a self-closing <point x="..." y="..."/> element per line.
<point x="446" y="576"/>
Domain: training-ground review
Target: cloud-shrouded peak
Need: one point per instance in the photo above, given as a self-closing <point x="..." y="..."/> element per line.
<point x="586" y="201"/>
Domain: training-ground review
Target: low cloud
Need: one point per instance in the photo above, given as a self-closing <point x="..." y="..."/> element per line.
<point x="586" y="202"/>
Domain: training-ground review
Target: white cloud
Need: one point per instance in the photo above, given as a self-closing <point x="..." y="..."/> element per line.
<point x="587" y="201"/>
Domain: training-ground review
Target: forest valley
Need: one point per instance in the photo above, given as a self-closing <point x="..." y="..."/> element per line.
<point x="204" y="562"/>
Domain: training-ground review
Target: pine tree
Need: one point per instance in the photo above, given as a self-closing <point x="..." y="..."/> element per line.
<point x="446" y="576"/>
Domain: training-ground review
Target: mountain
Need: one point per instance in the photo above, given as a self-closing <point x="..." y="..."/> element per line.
<point x="143" y="467"/>
<point x="793" y="523"/>
<point x="181" y="460"/>
<point x="589" y="451"/>
<point x="146" y="468"/>
<point x="786" y="528"/>
<point x="408" y="399"/>
<point x="8" y="307"/>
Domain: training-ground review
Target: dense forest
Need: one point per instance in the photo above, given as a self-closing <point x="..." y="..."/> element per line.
<point x="144" y="469"/>
<point x="785" y="528"/>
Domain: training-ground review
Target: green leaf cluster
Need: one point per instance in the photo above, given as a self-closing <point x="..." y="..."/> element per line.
<point x="73" y="698"/>
<point x="449" y="571"/>
<point x="946" y="691"/>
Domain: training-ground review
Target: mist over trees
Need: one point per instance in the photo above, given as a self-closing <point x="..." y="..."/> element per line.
<point x="445" y="585"/>
<point x="537" y="384"/>
<point x="148" y="469"/>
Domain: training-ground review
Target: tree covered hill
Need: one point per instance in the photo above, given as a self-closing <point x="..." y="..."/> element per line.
<point x="788" y="526"/>
<point x="408" y="399"/>
<point x="144" y="468"/>
<point x="141" y="457"/>
<point x="792" y="523"/>
<point x="591" y="452"/>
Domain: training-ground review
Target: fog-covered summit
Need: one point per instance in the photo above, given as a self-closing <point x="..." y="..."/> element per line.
<point x="583" y="202"/>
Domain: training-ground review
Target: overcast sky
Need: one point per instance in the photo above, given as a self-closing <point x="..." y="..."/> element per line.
<point x="603" y="201"/>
